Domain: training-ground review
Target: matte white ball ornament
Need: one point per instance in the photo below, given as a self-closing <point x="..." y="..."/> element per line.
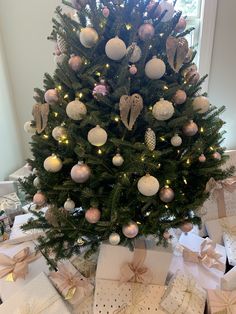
<point x="97" y="136"/>
<point x="136" y="54"/>
<point x="52" y="164"/>
<point x="76" y="110"/>
<point x="29" y="127"/>
<point x="163" y="110"/>
<point x="169" y="8"/>
<point x="201" y="104"/>
<point x="115" y="49"/>
<point x="148" y="185"/>
<point x="69" y="205"/>
<point x="155" y="68"/>
<point x="88" y="37"/>
<point x="118" y="160"/>
<point x="59" y="133"/>
<point x="176" y="140"/>
<point x="114" y="238"/>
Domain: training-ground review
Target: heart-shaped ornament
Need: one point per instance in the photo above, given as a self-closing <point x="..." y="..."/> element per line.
<point x="130" y="109"/>
<point x="176" y="50"/>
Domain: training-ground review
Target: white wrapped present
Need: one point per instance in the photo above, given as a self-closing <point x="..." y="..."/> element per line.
<point x="21" y="173"/>
<point x="183" y="295"/>
<point x="228" y="281"/>
<point x="37" y="297"/>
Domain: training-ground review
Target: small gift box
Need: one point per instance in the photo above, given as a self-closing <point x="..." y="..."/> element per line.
<point x="184" y="295"/>
<point x="228" y="281"/>
<point x="37" y="297"/>
<point x="11" y="204"/>
<point x="221" y="302"/>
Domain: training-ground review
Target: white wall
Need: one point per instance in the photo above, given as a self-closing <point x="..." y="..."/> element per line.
<point x="222" y="81"/>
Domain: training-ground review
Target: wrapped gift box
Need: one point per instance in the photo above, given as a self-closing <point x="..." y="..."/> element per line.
<point x="11" y="204"/>
<point x="21" y="173"/>
<point x="183" y="295"/>
<point x="228" y="281"/>
<point x="219" y="301"/>
<point x="38" y="297"/>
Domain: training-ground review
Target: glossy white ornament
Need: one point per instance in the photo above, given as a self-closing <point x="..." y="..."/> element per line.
<point x="201" y="104"/>
<point x="76" y="110"/>
<point x="136" y="54"/>
<point x="176" y="141"/>
<point x="114" y="238"/>
<point x="36" y="182"/>
<point x="59" y="133"/>
<point x="155" y="68"/>
<point x="117" y="160"/>
<point x="29" y="128"/>
<point x="115" y="49"/>
<point x="163" y="110"/>
<point x="88" y="37"/>
<point x="97" y="136"/>
<point x="169" y="8"/>
<point x="69" y="205"/>
<point x="148" y="185"/>
<point x="52" y="164"/>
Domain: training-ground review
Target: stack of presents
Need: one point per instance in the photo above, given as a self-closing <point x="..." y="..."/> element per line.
<point x="189" y="276"/>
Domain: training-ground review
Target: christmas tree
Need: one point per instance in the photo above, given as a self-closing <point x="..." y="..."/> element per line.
<point x="124" y="141"/>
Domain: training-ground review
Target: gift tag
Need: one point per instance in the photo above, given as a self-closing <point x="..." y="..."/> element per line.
<point x="70" y="294"/>
<point x="10" y="278"/>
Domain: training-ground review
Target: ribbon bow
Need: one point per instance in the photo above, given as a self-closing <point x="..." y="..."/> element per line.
<point x="18" y="264"/>
<point x="217" y="188"/>
<point x="222" y="302"/>
<point x="72" y="285"/>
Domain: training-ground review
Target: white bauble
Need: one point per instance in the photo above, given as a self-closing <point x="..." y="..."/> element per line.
<point x="52" y="164"/>
<point x="76" y="110"/>
<point x="114" y="238"/>
<point x="169" y="8"/>
<point x="163" y="110"/>
<point x="59" y="133"/>
<point x="60" y="59"/>
<point x="148" y="185"/>
<point x="29" y="128"/>
<point x="97" y="136"/>
<point x="201" y="104"/>
<point x="36" y="183"/>
<point x="136" y="54"/>
<point x="115" y="49"/>
<point x="176" y="140"/>
<point x="117" y="160"/>
<point x="88" y="37"/>
<point x="69" y="205"/>
<point x="155" y="68"/>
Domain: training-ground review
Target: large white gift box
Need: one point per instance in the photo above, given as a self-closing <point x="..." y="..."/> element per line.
<point x="8" y="288"/>
<point x="37" y="297"/>
<point x="228" y="281"/>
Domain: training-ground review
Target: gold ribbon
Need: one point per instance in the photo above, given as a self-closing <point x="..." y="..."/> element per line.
<point x="217" y="188"/>
<point x="222" y="302"/>
<point x="17" y="266"/>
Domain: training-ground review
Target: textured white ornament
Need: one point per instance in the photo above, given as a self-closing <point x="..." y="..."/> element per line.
<point x="150" y="139"/>
<point x="61" y="44"/>
<point x="29" y="128"/>
<point x="114" y="238"/>
<point x="176" y="140"/>
<point x="69" y="205"/>
<point x="169" y="8"/>
<point x="88" y="37"/>
<point x="115" y="49"/>
<point x="117" y="160"/>
<point x="52" y="164"/>
<point x="76" y="110"/>
<point x="36" y="183"/>
<point x="155" y="68"/>
<point x="201" y="104"/>
<point x="136" y="54"/>
<point x="60" y="59"/>
<point x="59" y="133"/>
<point x="163" y="110"/>
<point x="148" y="185"/>
<point x="97" y="136"/>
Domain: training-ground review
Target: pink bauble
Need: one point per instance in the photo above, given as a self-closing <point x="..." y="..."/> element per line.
<point x="193" y="77"/>
<point x="186" y="227"/>
<point x="93" y="215"/>
<point x="133" y="70"/>
<point x="217" y="156"/>
<point x="180" y="97"/>
<point x="100" y="89"/>
<point x="80" y="173"/>
<point x="105" y="12"/>
<point x="130" y="230"/>
<point x="75" y="63"/>
<point x="190" y="128"/>
<point x="146" y="31"/>
<point x="51" y="96"/>
<point x="166" y="235"/>
<point x="181" y="25"/>
<point x="167" y="195"/>
<point x="202" y="158"/>
<point x="39" y="199"/>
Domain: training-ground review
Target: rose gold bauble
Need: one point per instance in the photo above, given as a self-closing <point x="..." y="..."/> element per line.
<point x="202" y="158"/>
<point x="217" y="156"/>
<point x="146" y="31"/>
<point x="39" y="199"/>
<point x="180" y="97"/>
<point x="190" y="128"/>
<point x="75" y="63"/>
<point x="93" y="215"/>
<point x="181" y="25"/>
<point x="51" y="96"/>
<point x="105" y="12"/>
<point x="186" y="227"/>
<point x="80" y="173"/>
<point x="133" y="70"/>
<point x="130" y="230"/>
<point x="166" y="194"/>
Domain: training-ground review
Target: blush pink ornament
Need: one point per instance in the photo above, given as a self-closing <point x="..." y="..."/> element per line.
<point x="167" y="194"/>
<point x="133" y="70"/>
<point x="186" y="227"/>
<point x="130" y="230"/>
<point x="190" y="128"/>
<point x="80" y="173"/>
<point x="39" y="199"/>
<point x="202" y="158"/>
<point x="105" y="12"/>
<point x="51" y="96"/>
<point x="75" y="63"/>
<point x="193" y="77"/>
<point x="217" y="156"/>
<point x="181" y="25"/>
<point x="93" y="215"/>
<point x="180" y="97"/>
<point x="100" y="89"/>
<point x="146" y="31"/>
<point x="166" y="235"/>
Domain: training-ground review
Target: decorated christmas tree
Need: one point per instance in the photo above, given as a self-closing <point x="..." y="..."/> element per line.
<point x="124" y="141"/>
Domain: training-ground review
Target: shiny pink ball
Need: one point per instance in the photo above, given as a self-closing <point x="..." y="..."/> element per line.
<point x="51" y="96"/>
<point x="80" y="173"/>
<point x="181" y="25"/>
<point x="186" y="227"/>
<point x="39" y="199"/>
<point x="167" y="195"/>
<point x="217" y="156"/>
<point x="193" y="77"/>
<point x="130" y="230"/>
<point x="93" y="215"/>
<point x="190" y="128"/>
<point x="202" y="158"/>
<point x="75" y="63"/>
<point x="180" y="97"/>
<point x="100" y="90"/>
<point x="106" y="12"/>
<point x="146" y="31"/>
<point x="133" y="70"/>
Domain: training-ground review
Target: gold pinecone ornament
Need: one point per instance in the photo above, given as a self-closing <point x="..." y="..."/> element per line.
<point x="150" y="139"/>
